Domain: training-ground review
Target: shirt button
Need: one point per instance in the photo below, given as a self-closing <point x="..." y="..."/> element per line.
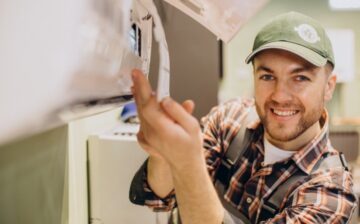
<point x="248" y="200"/>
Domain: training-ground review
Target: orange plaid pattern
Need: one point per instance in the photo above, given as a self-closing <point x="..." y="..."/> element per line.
<point x="323" y="197"/>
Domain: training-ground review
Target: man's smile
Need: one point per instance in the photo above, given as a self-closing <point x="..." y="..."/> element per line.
<point x="284" y="112"/>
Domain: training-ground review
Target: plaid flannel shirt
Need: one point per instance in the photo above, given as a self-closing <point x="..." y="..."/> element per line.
<point x="324" y="197"/>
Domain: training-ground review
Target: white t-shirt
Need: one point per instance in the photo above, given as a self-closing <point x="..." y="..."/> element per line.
<point x="274" y="154"/>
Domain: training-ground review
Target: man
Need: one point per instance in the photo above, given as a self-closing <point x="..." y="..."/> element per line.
<point x="292" y="63"/>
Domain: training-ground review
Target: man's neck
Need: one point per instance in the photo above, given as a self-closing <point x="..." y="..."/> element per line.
<point x="299" y="142"/>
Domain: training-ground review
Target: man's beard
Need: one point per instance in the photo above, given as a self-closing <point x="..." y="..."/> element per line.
<point x="280" y="132"/>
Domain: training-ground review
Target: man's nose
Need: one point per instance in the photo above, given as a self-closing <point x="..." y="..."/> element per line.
<point x="282" y="92"/>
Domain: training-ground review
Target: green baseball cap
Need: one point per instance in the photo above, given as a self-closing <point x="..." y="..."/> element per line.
<point x="296" y="33"/>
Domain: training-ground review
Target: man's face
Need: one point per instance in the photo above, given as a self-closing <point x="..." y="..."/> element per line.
<point x="289" y="93"/>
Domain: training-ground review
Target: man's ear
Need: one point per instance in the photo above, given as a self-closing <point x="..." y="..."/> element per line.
<point x="330" y="87"/>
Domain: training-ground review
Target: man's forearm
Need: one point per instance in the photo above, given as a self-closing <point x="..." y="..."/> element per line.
<point x="159" y="176"/>
<point x="196" y="196"/>
<point x="168" y="130"/>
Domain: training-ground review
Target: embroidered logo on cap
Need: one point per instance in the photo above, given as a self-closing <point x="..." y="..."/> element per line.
<point x="307" y="33"/>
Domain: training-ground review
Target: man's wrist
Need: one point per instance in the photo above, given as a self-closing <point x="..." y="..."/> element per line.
<point x="188" y="166"/>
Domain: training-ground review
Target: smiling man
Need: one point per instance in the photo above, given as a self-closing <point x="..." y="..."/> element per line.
<point x="285" y="171"/>
<point x="288" y="97"/>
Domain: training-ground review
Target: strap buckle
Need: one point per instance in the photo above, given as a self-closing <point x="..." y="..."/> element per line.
<point x="228" y="163"/>
<point x="343" y="161"/>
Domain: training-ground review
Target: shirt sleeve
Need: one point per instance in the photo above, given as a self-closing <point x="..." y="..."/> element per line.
<point x="142" y="194"/>
<point x="218" y="128"/>
<point x="140" y="190"/>
<point x="328" y="198"/>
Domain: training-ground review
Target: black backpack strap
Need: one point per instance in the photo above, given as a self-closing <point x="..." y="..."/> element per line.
<point x="332" y="161"/>
<point x="228" y="165"/>
<point x="236" y="149"/>
<point x="226" y="169"/>
<point x="232" y="215"/>
<point x="272" y="204"/>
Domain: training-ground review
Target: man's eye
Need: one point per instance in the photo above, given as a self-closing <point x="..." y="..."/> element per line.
<point x="301" y="78"/>
<point x="267" y="77"/>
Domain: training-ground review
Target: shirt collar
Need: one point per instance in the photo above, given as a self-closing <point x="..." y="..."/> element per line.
<point x="306" y="157"/>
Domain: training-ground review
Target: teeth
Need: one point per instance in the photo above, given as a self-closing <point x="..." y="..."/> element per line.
<point x="284" y="113"/>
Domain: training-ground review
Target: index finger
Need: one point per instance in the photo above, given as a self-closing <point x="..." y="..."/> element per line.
<point x="142" y="87"/>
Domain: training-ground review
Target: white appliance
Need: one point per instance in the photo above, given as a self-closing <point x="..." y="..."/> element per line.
<point x="113" y="159"/>
<point x="77" y="61"/>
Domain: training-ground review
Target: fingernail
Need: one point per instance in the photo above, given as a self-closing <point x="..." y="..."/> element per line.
<point x="134" y="74"/>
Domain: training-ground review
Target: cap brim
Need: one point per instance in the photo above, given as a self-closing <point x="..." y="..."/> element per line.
<point x="307" y="54"/>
